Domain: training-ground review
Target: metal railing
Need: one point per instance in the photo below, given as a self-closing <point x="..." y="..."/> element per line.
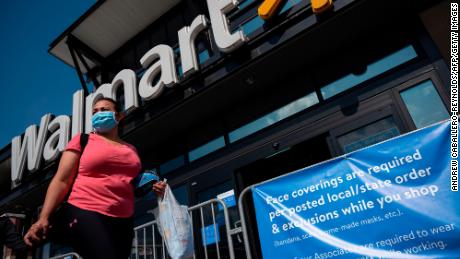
<point x="244" y="229"/>
<point x="67" y="256"/>
<point x="148" y="243"/>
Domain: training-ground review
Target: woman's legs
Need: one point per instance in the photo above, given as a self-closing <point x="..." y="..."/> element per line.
<point x="98" y="236"/>
<point x="122" y="233"/>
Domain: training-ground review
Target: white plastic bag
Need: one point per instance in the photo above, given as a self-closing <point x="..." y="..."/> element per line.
<point x="175" y="226"/>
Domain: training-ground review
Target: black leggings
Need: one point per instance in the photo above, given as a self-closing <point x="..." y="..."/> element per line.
<point x="98" y="236"/>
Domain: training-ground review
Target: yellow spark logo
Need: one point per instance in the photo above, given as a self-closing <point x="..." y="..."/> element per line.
<point x="268" y="8"/>
<point x="319" y="6"/>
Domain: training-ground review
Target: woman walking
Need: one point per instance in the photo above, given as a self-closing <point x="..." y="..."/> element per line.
<point x="99" y="211"/>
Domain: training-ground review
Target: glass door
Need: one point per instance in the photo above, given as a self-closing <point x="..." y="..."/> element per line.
<point x="209" y="224"/>
<point x="372" y="128"/>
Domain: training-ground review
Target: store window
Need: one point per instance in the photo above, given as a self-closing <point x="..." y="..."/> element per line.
<point x="252" y="25"/>
<point x="172" y="164"/>
<point x="257" y="22"/>
<point x="372" y="70"/>
<point x="202" y="53"/>
<point x="274" y="117"/>
<point x="207" y="148"/>
<point x="203" y="56"/>
<point x="203" y="47"/>
<point x="289" y="4"/>
<point x="424" y="104"/>
<point x="369" y="134"/>
<point x="245" y="3"/>
<point x="180" y="72"/>
<point x="140" y="72"/>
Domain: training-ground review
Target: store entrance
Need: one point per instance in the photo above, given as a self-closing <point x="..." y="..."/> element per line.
<point x="283" y="161"/>
<point x="303" y="154"/>
<point x="374" y="120"/>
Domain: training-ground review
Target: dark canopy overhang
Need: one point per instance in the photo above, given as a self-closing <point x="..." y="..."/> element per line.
<point x="105" y="27"/>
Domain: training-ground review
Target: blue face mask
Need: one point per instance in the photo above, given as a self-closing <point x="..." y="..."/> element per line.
<point x="104" y="121"/>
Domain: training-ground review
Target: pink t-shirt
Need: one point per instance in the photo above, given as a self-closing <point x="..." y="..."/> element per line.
<point x="103" y="183"/>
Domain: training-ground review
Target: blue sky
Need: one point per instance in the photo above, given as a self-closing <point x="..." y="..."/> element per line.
<point x="32" y="81"/>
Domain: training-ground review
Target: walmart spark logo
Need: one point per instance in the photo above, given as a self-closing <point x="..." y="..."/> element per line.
<point x="269" y="7"/>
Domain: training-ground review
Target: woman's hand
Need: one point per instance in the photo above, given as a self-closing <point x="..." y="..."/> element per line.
<point x="37" y="232"/>
<point x="159" y="188"/>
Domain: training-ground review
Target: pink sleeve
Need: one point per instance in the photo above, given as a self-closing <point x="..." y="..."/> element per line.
<point x="133" y="148"/>
<point x="74" y="144"/>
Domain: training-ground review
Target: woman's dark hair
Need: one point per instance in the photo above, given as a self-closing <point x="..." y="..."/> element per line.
<point x="115" y="103"/>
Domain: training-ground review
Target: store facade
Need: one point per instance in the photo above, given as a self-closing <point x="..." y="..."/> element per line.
<point x="218" y="99"/>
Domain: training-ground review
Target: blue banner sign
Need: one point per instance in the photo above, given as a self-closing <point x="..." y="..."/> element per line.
<point x="391" y="200"/>
<point x="210" y="234"/>
<point x="228" y="198"/>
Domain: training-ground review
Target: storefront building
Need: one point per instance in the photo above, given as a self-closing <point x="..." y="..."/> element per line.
<point x="217" y="98"/>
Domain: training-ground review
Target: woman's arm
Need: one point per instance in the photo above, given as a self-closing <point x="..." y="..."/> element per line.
<point x="60" y="183"/>
<point x="55" y="194"/>
<point x="159" y="188"/>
